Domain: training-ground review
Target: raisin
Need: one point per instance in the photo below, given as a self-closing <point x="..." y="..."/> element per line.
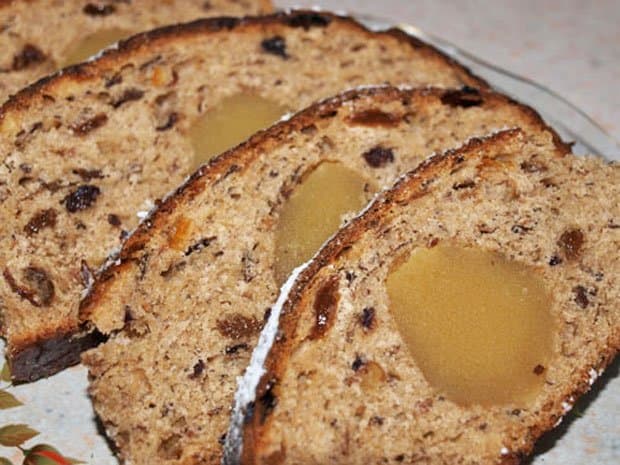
<point x="92" y="9"/>
<point x="357" y="363"/>
<point x="201" y="244"/>
<point x="581" y="296"/>
<point x="276" y="46"/>
<point x="129" y="95"/>
<point x="374" y="117"/>
<point x="325" y="306"/>
<point x="41" y="291"/>
<point x="231" y="350"/>
<point x="466" y="97"/>
<point x="88" y="175"/>
<point x="367" y="318"/>
<point x="237" y="326"/>
<point x="378" y="157"/>
<point x="82" y="198"/>
<point x="538" y="370"/>
<point x="114" y="220"/>
<point x="42" y="219"/>
<point x="42" y="284"/>
<point x="463" y="185"/>
<point x="29" y="56"/>
<point x="84" y="127"/>
<point x="570" y="243"/>
<point x="197" y="370"/>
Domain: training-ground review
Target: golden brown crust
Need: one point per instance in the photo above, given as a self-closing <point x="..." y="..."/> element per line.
<point x="295" y="18"/>
<point x="410" y="187"/>
<point x="243" y="155"/>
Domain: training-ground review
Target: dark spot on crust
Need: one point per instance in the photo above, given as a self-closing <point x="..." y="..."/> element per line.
<point x="170" y="122"/>
<point x="88" y="175"/>
<point x="128" y="95"/>
<point x="378" y="157"/>
<point x="92" y="9"/>
<point x="82" y="198"/>
<point x="29" y="56"/>
<point x="581" y="296"/>
<point x="570" y="243"/>
<point x="367" y="318"/>
<point x="114" y="220"/>
<point x="555" y="260"/>
<point x="201" y="244"/>
<point x="231" y="350"/>
<point x="267" y="400"/>
<point x="376" y="421"/>
<point x="325" y="306"/>
<point x="309" y="20"/>
<point x="40" y="220"/>
<point x="374" y="117"/>
<point x="463" y="185"/>
<point x="276" y="46"/>
<point x="197" y="370"/>
<point x="237" y="326"/>
<point x="45" y="357"/>
<point x="89" y="125"/>
<point x="466" y="97"/>
<point x="538" y="370"/>
<point x="224" y="22"/>
<point x="39" y="290"/>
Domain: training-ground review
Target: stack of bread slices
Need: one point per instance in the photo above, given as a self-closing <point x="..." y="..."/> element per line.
<point x="289" y="239"/>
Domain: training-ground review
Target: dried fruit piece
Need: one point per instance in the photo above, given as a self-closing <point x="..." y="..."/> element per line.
<point x="379" y="156"/>
<point x="42" y="219"/>
<point x="570" y="243"/>
<point x="82" y="198"/>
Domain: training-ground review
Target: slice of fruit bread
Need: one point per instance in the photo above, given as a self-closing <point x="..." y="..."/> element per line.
<point x="194" y="283"/>
<point x="454" y="321"/>
<point x="83" y="151"/>
<point x="41" y="36"/>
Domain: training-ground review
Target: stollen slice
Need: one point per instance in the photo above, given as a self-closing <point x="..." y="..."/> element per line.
<point x="454" y="321"/>
<point x="193" y="285"/>
<point x="84" y="150"/>
<point x="39" y="36"/>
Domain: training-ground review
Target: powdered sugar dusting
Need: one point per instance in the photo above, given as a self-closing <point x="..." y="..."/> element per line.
<point x="246" y="385"/>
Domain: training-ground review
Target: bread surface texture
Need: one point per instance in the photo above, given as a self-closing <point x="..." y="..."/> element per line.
<point x="37" y="36"/>
<point x="522" y="196"/>
<point x="84" y="150"/>
<point x="195" y="282"/>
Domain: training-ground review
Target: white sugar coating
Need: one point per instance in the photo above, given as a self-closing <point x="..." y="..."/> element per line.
<point x="246" y="385"/>
<point x="504" y="451"/>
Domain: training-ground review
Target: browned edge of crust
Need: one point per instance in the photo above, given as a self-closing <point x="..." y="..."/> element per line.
<point x="266" y="6"/>
<point x="293" y="18"/>
<point x="408" y="188"/>
<point x="47" y="355"/>
<point x="246" y="152"/>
